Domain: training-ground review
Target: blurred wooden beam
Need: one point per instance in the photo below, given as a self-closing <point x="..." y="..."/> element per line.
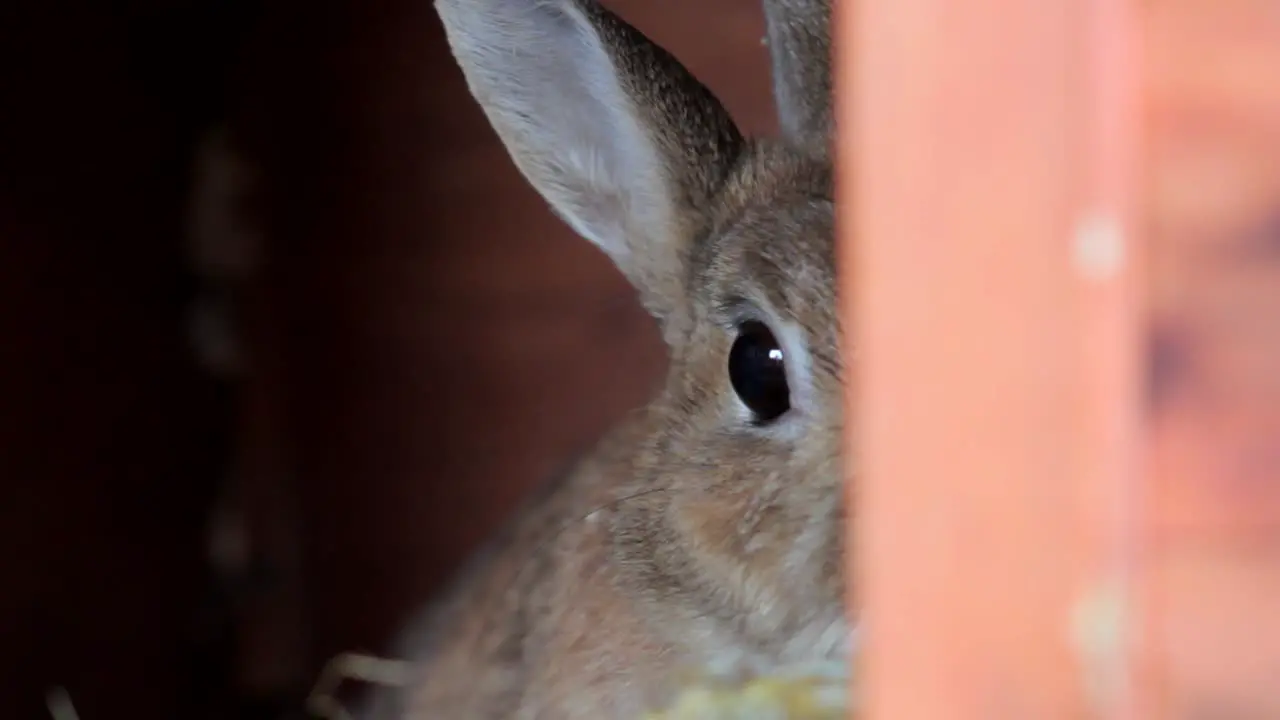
<point x="1066" y="420"/>
<point x="992" y="278"/>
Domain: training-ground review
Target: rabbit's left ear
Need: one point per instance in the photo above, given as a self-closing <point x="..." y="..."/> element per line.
<point x="614" y="133"/>
<point x="799" y="34"/>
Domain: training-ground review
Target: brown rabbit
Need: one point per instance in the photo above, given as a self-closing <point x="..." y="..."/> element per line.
<point x="706" y="531"/>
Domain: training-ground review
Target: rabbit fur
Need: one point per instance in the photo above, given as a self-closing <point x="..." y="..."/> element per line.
<point x="693" y="535"/>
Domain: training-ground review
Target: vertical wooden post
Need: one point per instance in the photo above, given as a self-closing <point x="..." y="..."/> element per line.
<point x="991" y="277"/>
<point x="1065" y="420"/>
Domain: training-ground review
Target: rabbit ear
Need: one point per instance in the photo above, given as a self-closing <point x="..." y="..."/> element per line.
<point x="617" y="136"/>
<point x="799" y="34"/>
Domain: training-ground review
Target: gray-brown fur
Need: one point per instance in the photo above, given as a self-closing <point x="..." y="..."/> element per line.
<point x="799" y="32"/>
<point x="692" y="536"/>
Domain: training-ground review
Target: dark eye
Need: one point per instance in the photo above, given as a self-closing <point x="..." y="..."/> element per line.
<point x="758" y="372"/>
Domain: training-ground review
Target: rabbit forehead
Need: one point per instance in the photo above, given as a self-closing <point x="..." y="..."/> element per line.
<point x="773" y="246"/>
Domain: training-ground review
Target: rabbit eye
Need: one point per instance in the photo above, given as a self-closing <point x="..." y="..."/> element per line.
<point x="758" y="372"/>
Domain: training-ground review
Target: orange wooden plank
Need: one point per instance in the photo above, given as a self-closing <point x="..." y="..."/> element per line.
<point x="991" y="275"/>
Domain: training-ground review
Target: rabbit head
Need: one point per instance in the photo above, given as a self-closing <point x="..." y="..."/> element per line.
<point x="733" y="533"/>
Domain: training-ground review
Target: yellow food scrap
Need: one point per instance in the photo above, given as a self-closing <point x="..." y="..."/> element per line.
<point x="820" y="694"/>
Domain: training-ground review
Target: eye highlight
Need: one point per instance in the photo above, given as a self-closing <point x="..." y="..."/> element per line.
<point x="758" y="372"/>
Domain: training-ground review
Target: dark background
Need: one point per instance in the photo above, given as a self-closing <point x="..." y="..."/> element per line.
<point x="427" y="340"/>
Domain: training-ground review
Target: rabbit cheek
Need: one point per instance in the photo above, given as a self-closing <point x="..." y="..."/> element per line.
<point x="742" y="564"/>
